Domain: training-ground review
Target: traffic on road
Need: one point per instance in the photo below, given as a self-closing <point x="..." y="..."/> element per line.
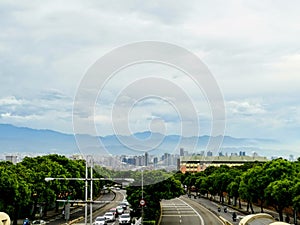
<point x="116" y="215"/>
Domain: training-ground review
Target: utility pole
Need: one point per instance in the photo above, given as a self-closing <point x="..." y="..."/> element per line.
<point x="142" y="221"/>
<point x="91" y="191"/>
<point x="86" y="191"/>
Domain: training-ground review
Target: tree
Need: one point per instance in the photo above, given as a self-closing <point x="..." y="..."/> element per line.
<point x="202" y="184"/>
<point x="158" y="185"/>
<point x="279" y="194"/>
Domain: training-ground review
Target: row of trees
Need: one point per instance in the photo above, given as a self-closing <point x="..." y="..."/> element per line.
<point x="23" y="188"/>
<point x="275" y="183"/>
<point x="24" y="191"/>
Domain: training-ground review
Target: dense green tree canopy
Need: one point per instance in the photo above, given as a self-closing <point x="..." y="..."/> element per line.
<point x="153" y="186"/>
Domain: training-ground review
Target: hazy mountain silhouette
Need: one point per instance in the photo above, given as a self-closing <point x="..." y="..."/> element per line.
<point x="26" y="140"/>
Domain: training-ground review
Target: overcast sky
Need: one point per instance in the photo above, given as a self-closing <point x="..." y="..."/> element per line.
<point x="252" y="49"/>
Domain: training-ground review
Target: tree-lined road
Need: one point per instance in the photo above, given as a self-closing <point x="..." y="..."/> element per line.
<point x="98" y="209"/>
<point x="184" y="211"/>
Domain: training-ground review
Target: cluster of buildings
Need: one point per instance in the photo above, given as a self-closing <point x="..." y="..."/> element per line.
<point x="184" y="161"/>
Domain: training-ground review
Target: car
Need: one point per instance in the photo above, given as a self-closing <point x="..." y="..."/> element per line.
<point x="109" y="216"/>
<point x="125" y="202"/>
<point x="39" y="222"/>
<point x="120" y="210"/>
<point x="100" y="220"/>
<point x="125" y="219"/>
<point x="123" y="205"/>
<point x="114" y="211"/>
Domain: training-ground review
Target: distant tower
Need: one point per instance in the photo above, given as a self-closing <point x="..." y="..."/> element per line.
<point x="242" y="153"/>
<point x="155" y="161"/>
<point x="181" y="151"/>
<point x="209" y="153"/>
<point x="146" y="159"/>
<point x="178" y="164"/>
<point x="167" y="159"/>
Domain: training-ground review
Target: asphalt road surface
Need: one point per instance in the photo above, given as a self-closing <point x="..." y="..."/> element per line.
<point x="183" y="211"/>
<point x="98" y="209"/>
<point x="213" y="207"/>
<point x="120" y="196"/>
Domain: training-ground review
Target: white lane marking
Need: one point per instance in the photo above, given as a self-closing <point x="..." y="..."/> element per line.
<point x="182" y="215"/>
<point x="200" y="205"/>
<point x="201" y="219"/>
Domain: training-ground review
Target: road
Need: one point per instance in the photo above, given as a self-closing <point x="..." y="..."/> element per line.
<point x="213" y="207"/>
<point x="98" y="209"/>
<point x="184" y="211"/>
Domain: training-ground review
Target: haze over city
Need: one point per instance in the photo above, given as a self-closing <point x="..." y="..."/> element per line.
<point x="250" y="47"/>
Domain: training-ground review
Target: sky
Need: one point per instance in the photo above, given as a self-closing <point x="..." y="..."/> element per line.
<point x="251" y="48"/>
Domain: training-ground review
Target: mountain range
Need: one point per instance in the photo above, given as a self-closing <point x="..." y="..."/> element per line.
<point x="23" y="140"/>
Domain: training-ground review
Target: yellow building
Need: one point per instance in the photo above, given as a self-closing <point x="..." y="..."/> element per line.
<point x="197" y="163"/>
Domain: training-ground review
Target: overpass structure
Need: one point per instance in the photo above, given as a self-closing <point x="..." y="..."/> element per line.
<point x="4" y="219"/>
<point x="260" y="219"/>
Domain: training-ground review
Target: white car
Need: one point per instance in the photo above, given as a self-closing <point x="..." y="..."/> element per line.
<point x="109" y="216"/>
<point x="120" y="210"/>
<point x="39" y="222"/>
<point x="100" y="220"/>
<point x="125" y="219"/>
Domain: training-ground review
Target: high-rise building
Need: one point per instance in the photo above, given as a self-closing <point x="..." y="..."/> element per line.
<point x="209" y="153"/>
<point x="146" y="159"/>
<point x="242" y="153"/>
<point x="167" y="159"/>
<point x="181" y="151"/>
<point x="155" y="161"/>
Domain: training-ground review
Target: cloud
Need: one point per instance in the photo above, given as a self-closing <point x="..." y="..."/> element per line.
<point x="52" y="112"/>
<point x="251" y="48"/>
<point x="245" y="108"/>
